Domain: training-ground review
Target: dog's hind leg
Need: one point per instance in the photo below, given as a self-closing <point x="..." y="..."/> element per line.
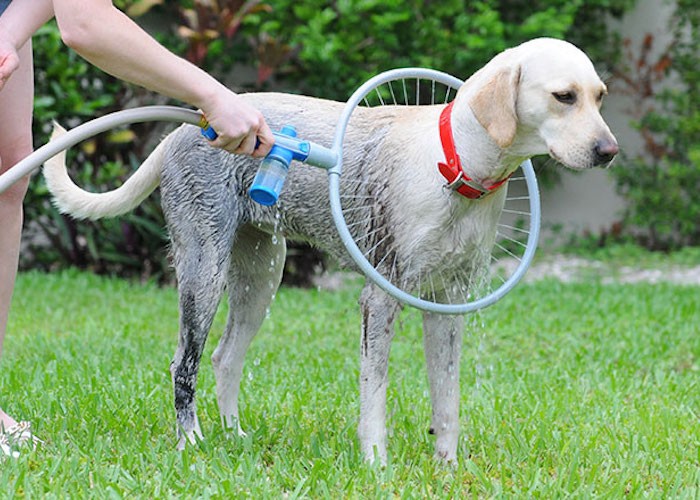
<point x="201" y="271"/>
<point x="442" y="339"/>
<point x="255" y="274"/>
<point x="378" y="313"/>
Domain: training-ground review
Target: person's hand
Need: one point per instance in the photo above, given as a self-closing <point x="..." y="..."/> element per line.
<point x="240" y="127"/>
<point x="9" y="61"/>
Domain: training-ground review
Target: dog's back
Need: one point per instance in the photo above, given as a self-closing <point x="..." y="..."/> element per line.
<point x="387" y="158"/>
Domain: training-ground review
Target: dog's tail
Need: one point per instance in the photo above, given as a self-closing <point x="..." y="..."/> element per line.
<point x="81" y="204"/>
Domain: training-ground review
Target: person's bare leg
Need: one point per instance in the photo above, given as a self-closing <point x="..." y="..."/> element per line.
<point x="16" y="104"/>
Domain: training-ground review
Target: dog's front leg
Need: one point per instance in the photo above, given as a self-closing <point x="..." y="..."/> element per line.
<point x="378" y="314"/>
<point x="442" y="338"/>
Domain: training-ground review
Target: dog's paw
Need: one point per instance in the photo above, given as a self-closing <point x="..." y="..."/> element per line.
<point x="375" y="455"/>
<point x="235" y="434"/>
<point x="190" y="437"/>
<point x="446" y="457"/>
<point x="232" y="427"/>
<point x="234" y="431"/>
<point x="446" y="450"/>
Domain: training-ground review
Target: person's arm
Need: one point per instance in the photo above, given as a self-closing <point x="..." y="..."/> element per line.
<point x="22" y="18"/>
<point x="108" y="38"/>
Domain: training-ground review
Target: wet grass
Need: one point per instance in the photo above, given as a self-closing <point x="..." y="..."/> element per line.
<point x="576" y="390"/>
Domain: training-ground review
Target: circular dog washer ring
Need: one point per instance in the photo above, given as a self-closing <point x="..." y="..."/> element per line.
<point x="335" y="173"/>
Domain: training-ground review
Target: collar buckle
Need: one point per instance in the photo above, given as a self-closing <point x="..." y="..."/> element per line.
<point x="462" y="183"/>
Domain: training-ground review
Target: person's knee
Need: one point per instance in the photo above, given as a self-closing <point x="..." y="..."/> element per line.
<point x="14" y="195"/>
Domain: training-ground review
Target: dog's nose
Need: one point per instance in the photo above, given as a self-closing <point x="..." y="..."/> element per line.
<point x="605" y="150"/>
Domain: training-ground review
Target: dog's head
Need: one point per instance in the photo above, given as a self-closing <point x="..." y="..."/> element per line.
<point x="544" y="97"/>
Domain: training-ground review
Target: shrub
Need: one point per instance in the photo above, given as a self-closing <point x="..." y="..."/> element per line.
<point x="71" y="91"/>
<point x="341" y="44"/>
<point x="661" y="185"/>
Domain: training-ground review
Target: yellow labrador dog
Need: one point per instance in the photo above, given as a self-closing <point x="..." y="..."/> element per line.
<point x="540" y="98"/>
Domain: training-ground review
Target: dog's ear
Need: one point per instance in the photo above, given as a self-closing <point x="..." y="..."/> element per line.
<point x="494" y="106"/>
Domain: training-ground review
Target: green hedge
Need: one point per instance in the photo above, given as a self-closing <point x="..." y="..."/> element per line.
<point x="341" y="44"/>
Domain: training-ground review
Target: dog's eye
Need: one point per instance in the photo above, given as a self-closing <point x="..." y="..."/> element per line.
<point x="565" y="97"/>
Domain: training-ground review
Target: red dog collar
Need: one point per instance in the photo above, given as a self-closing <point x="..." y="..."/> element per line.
<point x="452" y="170"/>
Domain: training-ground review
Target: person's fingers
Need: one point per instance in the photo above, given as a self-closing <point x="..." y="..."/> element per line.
<point x="247" y="145"/>
<point x="226" y="143"/>
<point x="243" y="131"/>
<point x="265" y="141"/>
<point x="8" y="65"/>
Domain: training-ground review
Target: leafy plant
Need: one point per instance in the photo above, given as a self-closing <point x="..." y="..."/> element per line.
<point x="341" y="44"/>
<point x="661" y="185"/>
<point x="70" y="91"/>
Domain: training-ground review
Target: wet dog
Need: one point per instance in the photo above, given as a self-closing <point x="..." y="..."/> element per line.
<point x="540" y="98"/>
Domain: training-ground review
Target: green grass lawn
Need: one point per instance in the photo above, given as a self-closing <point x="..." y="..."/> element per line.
<point x="568" y="390"/>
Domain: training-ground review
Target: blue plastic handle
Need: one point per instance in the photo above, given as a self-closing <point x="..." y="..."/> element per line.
<point x="298" y="148"/>
<point x="207" y="130"/>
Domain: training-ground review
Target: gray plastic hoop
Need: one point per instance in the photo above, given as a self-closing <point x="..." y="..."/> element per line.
<point x="176" y="114"/>
<point x="355" y="252"/>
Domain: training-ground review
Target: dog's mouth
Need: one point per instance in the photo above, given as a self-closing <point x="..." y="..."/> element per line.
<point x="572" y="166"/>
<point x="608" y="164"/>
<point x="579" y="162"/>
<point x="555" y="156"/>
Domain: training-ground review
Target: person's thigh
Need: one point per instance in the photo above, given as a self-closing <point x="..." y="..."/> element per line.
<point x="16" y="104"/>
<point x="16" y="101"/>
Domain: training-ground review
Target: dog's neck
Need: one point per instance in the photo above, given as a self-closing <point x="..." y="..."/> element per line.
<point x="482" y="160"/>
